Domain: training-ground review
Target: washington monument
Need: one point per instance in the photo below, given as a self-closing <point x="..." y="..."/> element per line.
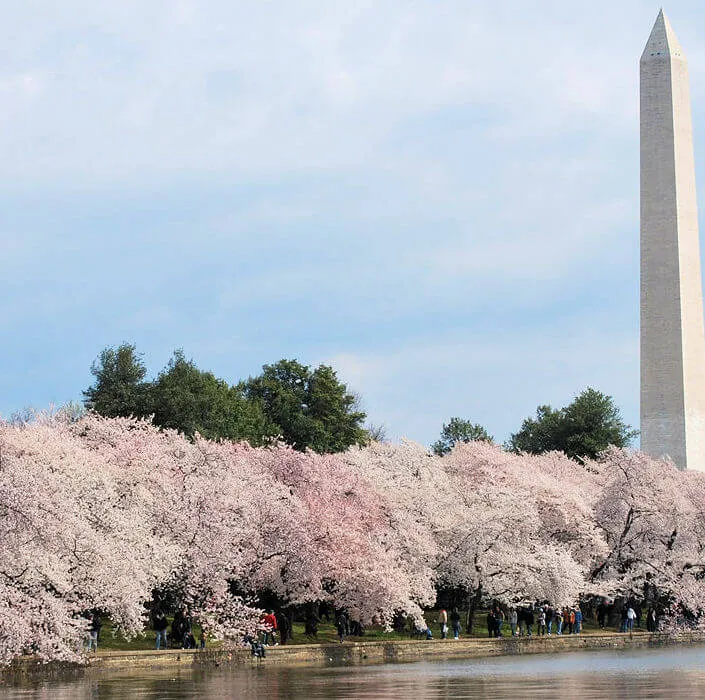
<point x="672" y="334"/>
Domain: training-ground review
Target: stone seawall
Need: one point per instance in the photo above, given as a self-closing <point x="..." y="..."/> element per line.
<point x="350" y="653"/>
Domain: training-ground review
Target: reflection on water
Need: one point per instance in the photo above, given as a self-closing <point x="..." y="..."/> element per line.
<point x="669" y="673"/>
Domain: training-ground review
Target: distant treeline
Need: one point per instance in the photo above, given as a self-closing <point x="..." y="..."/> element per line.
<point x="305" y="407"/>
<point x="309" y="408"/>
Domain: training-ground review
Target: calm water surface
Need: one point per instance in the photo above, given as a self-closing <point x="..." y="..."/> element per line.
<point x="670" y="673"/>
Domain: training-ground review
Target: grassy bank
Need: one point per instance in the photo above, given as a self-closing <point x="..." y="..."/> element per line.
<point x="327" y="634"/>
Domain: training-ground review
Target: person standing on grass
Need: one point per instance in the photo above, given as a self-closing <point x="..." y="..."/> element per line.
<point x="513" y="618"/>
<point x="284" y="628"/>
<point x="443" y="623"/>
<point x="94" y="632"/>
<point x="542" y="622"/>
<point x="530" y="619"/>
<point x="270" y="636"/>
<point x="578" y="620"/>
<point x="567" y="627"/>
<point x="490" y="623"/>
<point x="631" y="616"/>
<point x="341" y="626"/>
<point x="160" y="627"/>
<point x="558" y="617"/>
<point x="499" y="620"/>
<point x="455" y="623"/>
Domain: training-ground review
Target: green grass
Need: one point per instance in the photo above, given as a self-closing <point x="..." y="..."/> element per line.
<point x="327" y="634"/>
<point x="111" y="639"/>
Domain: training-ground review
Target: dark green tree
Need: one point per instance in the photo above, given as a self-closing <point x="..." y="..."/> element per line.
<point x="192" y="401"/>
<point x="582" y="429"/>
<point x="459" y="430"/>
<point x="119" y="388"/>
<point x="311" y="407"/>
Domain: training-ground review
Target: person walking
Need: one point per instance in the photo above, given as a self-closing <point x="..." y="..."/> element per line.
<point x="455" y="623"/>
<point x="443" y="623"/>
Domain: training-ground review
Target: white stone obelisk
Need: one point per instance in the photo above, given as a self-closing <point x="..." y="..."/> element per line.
<point x="672" y="334"/>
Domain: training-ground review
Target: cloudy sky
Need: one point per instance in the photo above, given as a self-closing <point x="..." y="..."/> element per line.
<point x="439" y="198"/>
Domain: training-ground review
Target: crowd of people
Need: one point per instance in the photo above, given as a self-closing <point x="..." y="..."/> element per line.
<point x="516" y="621"/>
<point x="546" y="620"/>
<point x="181" y="633"/>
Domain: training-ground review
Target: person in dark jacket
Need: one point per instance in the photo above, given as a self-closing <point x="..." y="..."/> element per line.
<point x="341" y="625"/>
<point x="160" y="627"/>
<point x="455" y="623"/>
<point x="94" y="632"/>
<point x="530" y="619"/>
<point x="490" y="624"/>
<point x="284" y="628"/>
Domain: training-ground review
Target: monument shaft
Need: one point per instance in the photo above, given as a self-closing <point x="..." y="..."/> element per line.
<point x="672" y="332"/>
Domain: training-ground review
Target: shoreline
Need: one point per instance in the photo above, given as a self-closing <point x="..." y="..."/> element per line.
<point x="117" y="663"/>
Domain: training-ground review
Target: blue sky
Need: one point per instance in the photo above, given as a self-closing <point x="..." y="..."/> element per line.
<point x="439" y="198"/>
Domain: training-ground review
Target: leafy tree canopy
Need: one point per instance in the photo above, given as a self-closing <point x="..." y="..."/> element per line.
<point x="191" y="401"/>
<point x="459" y="430"/>
<point x="587" y="426"/>
<point x="119" y="388"/>
<point x="308" y="408"/>
<point x="311" y="407"/>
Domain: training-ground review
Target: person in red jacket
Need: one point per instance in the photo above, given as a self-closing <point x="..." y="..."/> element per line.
<point x="270" y="620"/>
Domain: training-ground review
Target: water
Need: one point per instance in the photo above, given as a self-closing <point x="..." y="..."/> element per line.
<point x="669" y="673"/>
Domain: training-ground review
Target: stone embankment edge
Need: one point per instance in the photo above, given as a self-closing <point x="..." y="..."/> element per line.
<point x="349" y="653"/>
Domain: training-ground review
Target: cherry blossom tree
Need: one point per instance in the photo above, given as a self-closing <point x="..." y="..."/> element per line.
<point x="74" y="536"/>
<point x="511" y="534"/>
<point x="99" y="513"/>
<point x="652" y="516"/>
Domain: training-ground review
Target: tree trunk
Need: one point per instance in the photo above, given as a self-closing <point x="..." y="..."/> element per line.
<point x="312" y="620"/>
<point x="474" y="600"/>
<point x="291" y="624"/>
